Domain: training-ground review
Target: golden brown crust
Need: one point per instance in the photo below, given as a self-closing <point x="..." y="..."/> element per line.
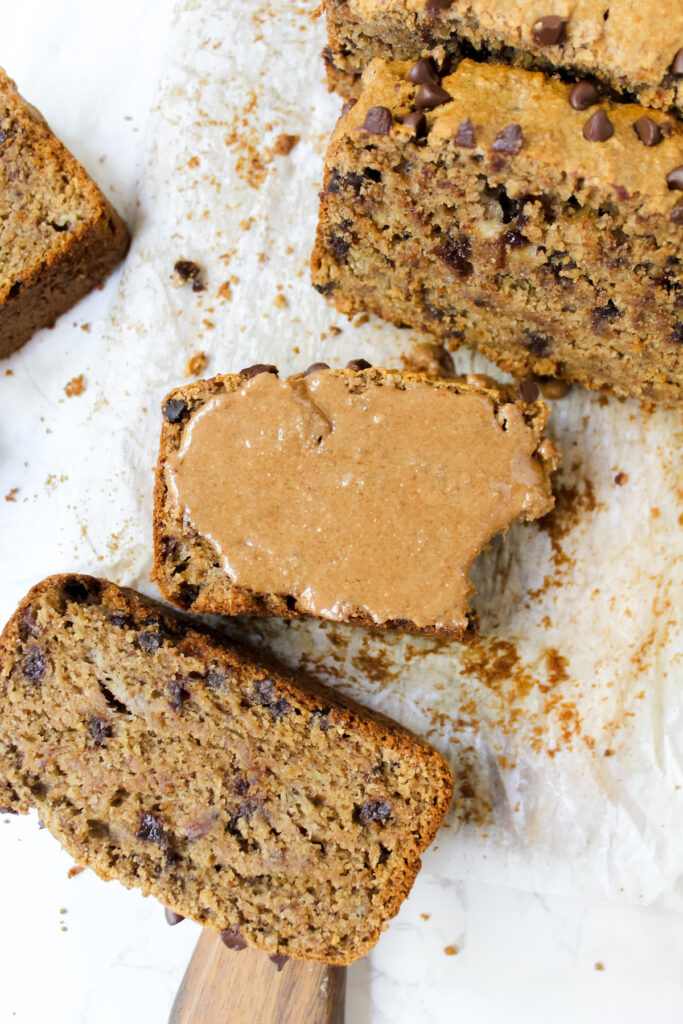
<point x="203" y="587"/>
<point x="60" y="236"/>
<point x="113" y="859"/>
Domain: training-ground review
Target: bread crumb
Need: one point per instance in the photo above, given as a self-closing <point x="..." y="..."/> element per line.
<point x="246" y="224"/>
<point x="76" y="386"/>
<point x="284" y="144"/>
<point x="75" y="870"/>
<point x="425" y="917"/>
<point x="9" y="373"/>
<point x="196" y="364"/>
<point x="193" y="161"/>
<point x="11" y="496"/>
<point x="262" y="257"/>
<point x="280" y="301"/>
<point x="599" y="966"/>
<point x="451" y="950"/>
<point x="225" y="291"/>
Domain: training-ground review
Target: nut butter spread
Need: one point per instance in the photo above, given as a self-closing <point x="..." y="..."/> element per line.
<point x="374" y="502"/>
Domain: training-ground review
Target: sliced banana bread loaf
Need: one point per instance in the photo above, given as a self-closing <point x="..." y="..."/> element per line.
<point x="484" y="208"/>
<point x="358" y="495"/>
<point x="240" y="795"/>
<point x="59" y="236"/>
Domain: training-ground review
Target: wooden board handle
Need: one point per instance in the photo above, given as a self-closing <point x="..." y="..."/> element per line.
<point x="222" y="986"/>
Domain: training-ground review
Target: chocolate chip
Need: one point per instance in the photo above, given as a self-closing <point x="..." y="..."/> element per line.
<point x="674" y="179"/>
<point x="214" y="680"/>
<point x="416" y="121"/>
<point x="178" y="692"/>
<point x="33" y="665"/>
<point x="676" y="214"/>
<point x="648" y="131"/>
<point x="240" y="785"/>
<point x="171" y="917"/>
<point x="174" y="409"/>
<point x="598" y="127"/>
<point x="4" y="136"/>
<point x="605" y="314"/>
<point x="148" y="641"/>
<point x="188" y="593"/>
<point x="339" y="246"/>
<point x="121" y="620"/>
<point x="431" y="95"/>
<point x="423" y="72"/>
<point x="378" y="121"/>
<point x="349" y="105"/>
<point x="264" y="694"/>
<point x="151" y="830"/>
<point x="253" y="371"/>
<point x="75" y="590"/>
<point x="358" y="364"/>
<point x="538" y="344"/>
<point x="99" y="731"/>
<point x="27" y="623"/>
<point x="549" y="31"/>
<point x="314" y="367"/>
<point x="583" y="96"/>
<point x="279" y="959"/>
<point x="509" y="140"/>
<point x="677" y="64"/>
<point x="455" y="252"/>
<point x="233" y="939"/>
<point x="435" y="8"/>
<point x="464" y="137"/>
<point x="676" y="336"/>
<point x="373" y="810"/>
<point x="321" y="718"/>
<point x="187" y="270"/>
<point x="528" y="390"/>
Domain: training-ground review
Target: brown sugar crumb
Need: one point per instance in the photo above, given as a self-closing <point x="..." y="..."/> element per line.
<point x="451" y="950"/>
<point x="77" y="869"/>
<point x="284" y="144"/>
<point x="621" y="478"/>
<point x="196" y="364"/>
<point x="75" y="387"/>
<point x="11" y="495"/>
<point x="280" y="301"/>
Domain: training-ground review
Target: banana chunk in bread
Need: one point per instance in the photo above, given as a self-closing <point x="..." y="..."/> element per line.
<point x="484" y="208"/>
<point x="59" y="236"/>
<point x="237" y="793"/>
<point x="360" y="495"/>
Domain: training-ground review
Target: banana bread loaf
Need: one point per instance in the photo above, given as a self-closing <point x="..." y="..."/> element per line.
<point x="484" y="208"/>
<point x="632" y="50"/>
<point x="358" y="495"/>
<point x="239" y="794"/>
<point x="59" y="236"/>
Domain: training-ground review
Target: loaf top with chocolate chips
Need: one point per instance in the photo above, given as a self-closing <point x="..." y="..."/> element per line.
<point x="634" y="46"/>
<point x="523" y="130"/>
<point x="240" y="794"/>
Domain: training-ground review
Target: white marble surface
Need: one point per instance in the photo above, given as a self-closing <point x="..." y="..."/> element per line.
<point x="93" y="70"/>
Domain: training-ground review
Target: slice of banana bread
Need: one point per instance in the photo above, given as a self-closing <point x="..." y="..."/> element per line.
<point x="240" y="795"/>
<point x="358" y="495"/>
<point x="484" y="208"/>
<point x="59" y="236"/>
<point x="634" y="50"/>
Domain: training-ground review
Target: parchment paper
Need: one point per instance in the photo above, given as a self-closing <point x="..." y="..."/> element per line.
<point x="564" y="722"/>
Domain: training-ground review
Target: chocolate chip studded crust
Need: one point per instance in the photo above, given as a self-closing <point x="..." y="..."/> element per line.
<point x="547" y="237"/>
<point x="59" y="236"/>
<point x="630" y="48"/>
<point x="238" y="794"/>
<point x="187" y="566"/>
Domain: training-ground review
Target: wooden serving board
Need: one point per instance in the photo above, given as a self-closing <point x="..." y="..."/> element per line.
<point x="222" y="986"/>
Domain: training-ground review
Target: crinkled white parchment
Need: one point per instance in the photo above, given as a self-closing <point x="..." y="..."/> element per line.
<point x="564" y="723"/>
